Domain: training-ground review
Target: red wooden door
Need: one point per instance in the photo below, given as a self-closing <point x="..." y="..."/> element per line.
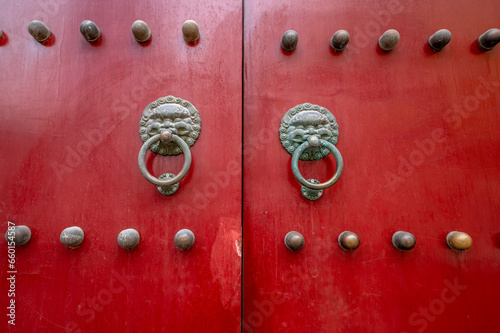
<point x="420" y="144"/>
<point x="418" y="135"/>
<point x="70" y="114"/>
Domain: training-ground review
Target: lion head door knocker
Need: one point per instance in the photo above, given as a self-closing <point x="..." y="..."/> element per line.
<point x="169" y="126"/>
<point x="309" y="132"/>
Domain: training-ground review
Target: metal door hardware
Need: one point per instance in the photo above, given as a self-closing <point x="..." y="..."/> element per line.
<point x="39" y="31"/>
<point x="309" y="132"/>
<point x="128" y="238"/>
<point x="440" y="39"/>
<point x="190" y="31"/>
<point x="489" y="39"/>
<point x="19" y="235"/>
<point x="339" y="40"/>
<point x="348" y="240"/>
<point x="184" y="239"/>
<point x="141" y="31"/>
<point x="294" y="240"/>
<point x="72" y="237"/>
<point x="90" y="31"/>
<point x="289" y="40"/>
<point x="403" y="240"/>
<point x="168" y="126"/>
<point x="458" y="240"/>
<point x="389" y="40"/>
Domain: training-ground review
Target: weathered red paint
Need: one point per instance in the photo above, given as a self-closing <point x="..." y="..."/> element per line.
<point x="419" y="138"/>
<point x="418" y="133"/>
<point x="70" y="116"/>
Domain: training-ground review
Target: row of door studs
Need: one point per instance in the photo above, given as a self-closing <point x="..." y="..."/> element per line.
<point x="129" y="238"/>
<point x="289" y="40"/>
<point x="72" y="237"/>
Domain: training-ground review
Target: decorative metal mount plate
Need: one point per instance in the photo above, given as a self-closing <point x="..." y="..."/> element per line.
<point x="310" y="193"/>
<point x="170" y="189"/>
<point x="174" y="114"/>
<point x="303" y="121"/>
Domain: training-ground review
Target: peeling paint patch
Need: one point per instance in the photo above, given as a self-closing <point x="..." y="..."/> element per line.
<point x="237" y="244"/>
<point x="225" y="266"/>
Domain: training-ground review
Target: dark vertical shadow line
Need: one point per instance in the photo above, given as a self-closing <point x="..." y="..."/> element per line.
<point x="242" y="145"/>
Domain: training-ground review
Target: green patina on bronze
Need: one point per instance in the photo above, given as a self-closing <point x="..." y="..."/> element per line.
<point x="309" y="132"/>
<point x="306" y="120"/>
<point x="175" y="115"/>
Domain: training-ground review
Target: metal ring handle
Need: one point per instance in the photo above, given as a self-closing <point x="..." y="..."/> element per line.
<point x="167" y="182"/>
<point x="320" y="186"/>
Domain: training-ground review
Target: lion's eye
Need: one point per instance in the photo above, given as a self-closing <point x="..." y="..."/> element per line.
<point x="182" y="128"/>
<point x="324" y="133"/>
<point x="297" y="135"/>
<point x="154" y="128"/>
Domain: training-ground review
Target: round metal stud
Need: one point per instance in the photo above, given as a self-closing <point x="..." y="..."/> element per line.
<point x="339" y="40"/>
<point x="19" y="235"/>
<point x="72" y="237"/>
<point x="141" y="31"/>
<point x="184" y="239"/>
<point x="90" y="31"/>
<point x="289" y="40"/>
<point x="458" y="240"/>
<point x="403" y="240"/>
<point x="440" y="39"/>
<point x="294" y="240"/>
<point x="39" y="31"/>
<point x="348" y="240"/>
<point x="489" y="39"/>
<point x="128" y="238"/>
<point x="389" y="40"/>
<point x="190" y="31"/>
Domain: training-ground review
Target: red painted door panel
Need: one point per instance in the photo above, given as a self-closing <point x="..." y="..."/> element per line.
<point x="418" y="134"/>
<point x="70" y="115"/>
<point x="419" y="139"/>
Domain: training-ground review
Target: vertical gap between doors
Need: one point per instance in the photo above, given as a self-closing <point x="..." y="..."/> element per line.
<point x="242" y="145"/>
